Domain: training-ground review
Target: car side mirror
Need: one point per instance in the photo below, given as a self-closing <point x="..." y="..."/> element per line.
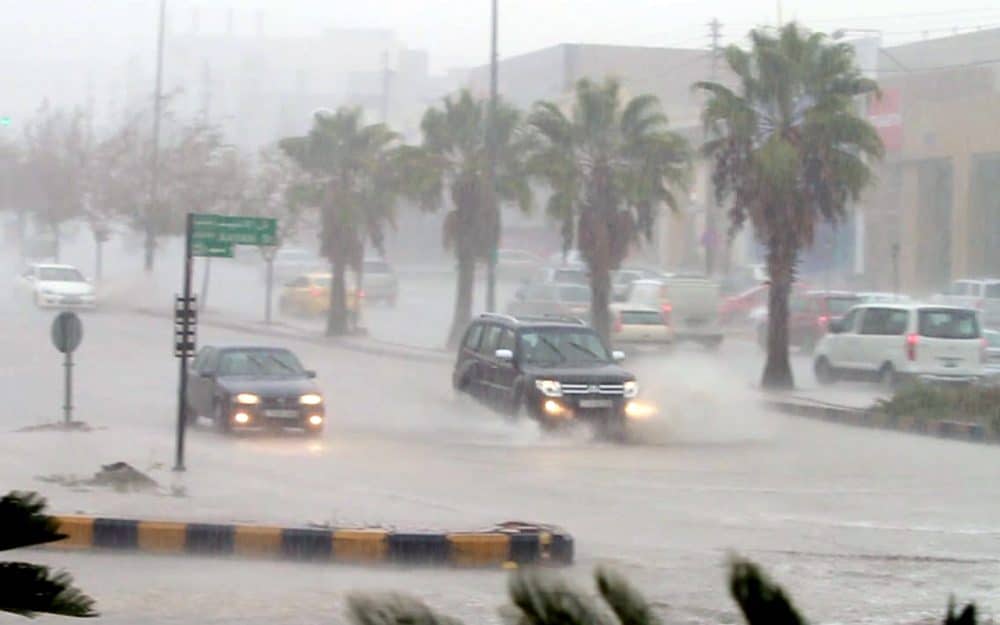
<point x="504" y="355"/>
<point x="310" y="373"/>
<point x="836" y="327"/>
<point x="618" y="356"/>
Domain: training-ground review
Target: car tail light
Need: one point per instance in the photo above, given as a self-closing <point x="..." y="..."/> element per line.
<point x="823" y="322"/>
<point x="911" y="346"/>
<point x="665" y="309"/>
<point x="315" y="291"/>
<point x="618" y="322"/>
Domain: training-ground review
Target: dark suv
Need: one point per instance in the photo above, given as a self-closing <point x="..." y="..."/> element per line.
<point x="554" y="369"/>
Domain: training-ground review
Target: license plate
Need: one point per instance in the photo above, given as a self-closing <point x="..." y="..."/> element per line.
<point x="595" y="403"/>
<point x="282" y="414"/>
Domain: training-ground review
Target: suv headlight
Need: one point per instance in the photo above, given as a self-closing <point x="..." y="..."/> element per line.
<point x="631" y="389"/>
<point x="549" y="388"/>
<point x="248" y="399"/>
<point x="311" y="399"/>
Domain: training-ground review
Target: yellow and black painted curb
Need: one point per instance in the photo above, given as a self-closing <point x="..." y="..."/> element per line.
<point x="507" y="545"/>
<point x="957" y="430"/>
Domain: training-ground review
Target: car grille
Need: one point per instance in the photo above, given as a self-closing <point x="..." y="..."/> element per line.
<point x="592" y="389"/>
<point x="286" y="403"/>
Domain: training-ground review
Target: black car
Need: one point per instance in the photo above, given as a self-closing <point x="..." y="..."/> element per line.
<point x="252" y="388"/>
<point x="553" y="369"/>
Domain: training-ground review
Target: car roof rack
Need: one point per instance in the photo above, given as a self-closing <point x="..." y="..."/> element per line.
<point x="493" y="315"/>
<point x="553" y="318"/>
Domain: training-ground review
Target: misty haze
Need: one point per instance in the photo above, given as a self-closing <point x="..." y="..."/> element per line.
<point x="500" y="311"/>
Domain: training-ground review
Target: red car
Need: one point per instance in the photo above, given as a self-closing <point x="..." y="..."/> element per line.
<point x="737" y="308"/>
<point x="809" y="316"/>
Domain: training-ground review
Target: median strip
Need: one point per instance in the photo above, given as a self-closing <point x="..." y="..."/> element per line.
<point x="507" y="545"/>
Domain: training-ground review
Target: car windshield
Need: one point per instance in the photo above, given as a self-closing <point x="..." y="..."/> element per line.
<point x="260" y="363"/>
<point x="838" y="306"/>
<point x="576" y="294"/>
<point x="59" y="274"/>
<point x="562" y="346"/>
<point x="945" y="323"/>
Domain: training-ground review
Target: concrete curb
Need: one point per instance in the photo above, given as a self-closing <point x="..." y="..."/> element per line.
<point x="506" y="546"/>
<point x="956" y="430"/>
<point x="364" y="346"/>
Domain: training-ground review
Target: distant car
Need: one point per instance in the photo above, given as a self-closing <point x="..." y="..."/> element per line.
<point x="810" y="314"/>
<point x="875" y="297"/>
<point x="564" y="274"/>
<point x="736" y="309"/>
<point x="981" y="294"/>
<point x="58" y="286"/>
<point x="291" y="262"/>
<point x="557" y="299"/>
<point x="572" y="257"/>
<point x="624" y="277"/>
<point x="308" y="295"/>
<point x="380" y="283"/>
<point x="555" y="371"/>
<point x="517" y="264"/>
<point x="248" y="387"/>
<point x="893" y="343"/>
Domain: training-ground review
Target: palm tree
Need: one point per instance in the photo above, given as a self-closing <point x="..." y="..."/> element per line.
<point x="789" y="149"/>
<point x="453" y="156"/>
<point x="353" y="164"/>
<point x="609" y="164"/>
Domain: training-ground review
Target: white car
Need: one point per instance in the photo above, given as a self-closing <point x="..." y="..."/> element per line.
<point x="58" y="286"/>
<point x="896" y="342"/>
<point x="982" y="294"/>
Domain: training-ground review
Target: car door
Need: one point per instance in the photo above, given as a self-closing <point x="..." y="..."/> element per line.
<point x="845" y="343"/>
<point x="487" y="363"/>
<point x="875" y="342"/>
<point x="466" y="369"/>
<point x="200" y="389"/>
<point x="505" y="371"/>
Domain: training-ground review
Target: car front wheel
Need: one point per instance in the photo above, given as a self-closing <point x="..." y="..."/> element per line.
<point x="220" y="416"/>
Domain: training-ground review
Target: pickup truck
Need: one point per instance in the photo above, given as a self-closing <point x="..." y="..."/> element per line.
<point x="981" y="294"/>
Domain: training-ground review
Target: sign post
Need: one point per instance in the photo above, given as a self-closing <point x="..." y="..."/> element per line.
<point x="211" y="236"/>
<point x="67" y="332"/>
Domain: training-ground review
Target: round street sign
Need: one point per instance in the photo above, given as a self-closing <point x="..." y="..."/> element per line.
<point x="67" y="332"/>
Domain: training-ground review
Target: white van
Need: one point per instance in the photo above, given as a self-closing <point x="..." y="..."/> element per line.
<point x="896" y="342"/>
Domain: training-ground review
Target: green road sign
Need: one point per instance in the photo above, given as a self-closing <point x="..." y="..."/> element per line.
<point x="215" y="232"/>
<point x="215" y="249"/>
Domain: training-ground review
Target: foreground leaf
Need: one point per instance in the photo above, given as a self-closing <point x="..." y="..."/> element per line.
<point x="966" y="617"/>
<point x="546" y="600"/>
<point x="28" y="589"/>
<point x="393" y="609"/>
<point x="22" y="522"/>
<point x="762" y="601"/>
<point x="626" y="602"/>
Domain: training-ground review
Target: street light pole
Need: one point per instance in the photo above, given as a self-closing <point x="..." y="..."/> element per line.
<point x="153" y="207"/>
<point x="491" y="155"/>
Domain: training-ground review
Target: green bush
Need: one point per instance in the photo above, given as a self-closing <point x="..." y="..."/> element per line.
<point x="975" y="404"/>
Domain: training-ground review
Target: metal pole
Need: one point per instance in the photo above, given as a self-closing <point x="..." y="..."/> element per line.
<point x="155" y="165"/>
<point x="491" y="150"/>
<point x="270" y="282"/>
<point x="185" y="328"/>
<point x="68" y="390"/>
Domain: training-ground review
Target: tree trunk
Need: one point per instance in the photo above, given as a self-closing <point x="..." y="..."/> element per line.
<point x="150" y="250"/>
<point x="781" y="268"/>
<point x="465" y="280"/>
<point x="600" y="299"/>
<point x="336" y="319"/>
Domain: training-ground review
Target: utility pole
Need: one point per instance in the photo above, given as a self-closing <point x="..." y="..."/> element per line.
<point x="711" y="239"/>
<point x="491" y="154"/>
<point x="154" y="184"/>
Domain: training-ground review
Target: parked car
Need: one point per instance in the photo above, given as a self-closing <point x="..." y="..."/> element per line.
<point x="564" y="274"/>
<point x="291" y="262"/>
<point x="980" y="294"/>
<point x="810" y="314"/>
<point x="308" y="295"/>
<point x="247" y="387"/>
<point x="991" y="367"/>
<point x="898" y="342"/>
<point x="551" y="298"/>
<point x="380" y="283"/>
<point x="555" y="371"/>
<point x="624" y="277"/>
<point x="57" y="286"/>
<point x="736" y="309"/>
<point x="517" y="264"/>
<point x="694" y="310"/>
<point x="639" y="324"/>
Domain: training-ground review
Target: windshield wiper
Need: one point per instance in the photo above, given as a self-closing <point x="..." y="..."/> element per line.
<point x="555" y="350"/>
<point x="586" y="350"/>
<point x="283" y="365"/>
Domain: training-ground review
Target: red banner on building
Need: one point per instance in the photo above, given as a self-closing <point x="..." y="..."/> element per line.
<point x="885" y="114"/>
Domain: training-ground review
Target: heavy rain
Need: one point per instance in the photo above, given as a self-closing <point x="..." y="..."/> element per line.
<point x="482" y="301"/>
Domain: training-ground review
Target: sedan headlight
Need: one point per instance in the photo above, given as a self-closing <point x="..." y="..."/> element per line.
<point x="248" y="399"/>
<point x="631" y="388"/>
<point x="549" y="388"/>
<point x="311" y="399"/>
